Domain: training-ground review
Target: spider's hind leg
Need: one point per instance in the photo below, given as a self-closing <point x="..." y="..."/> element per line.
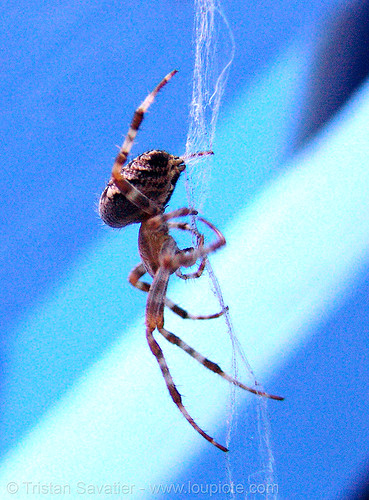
<point x="155" y="319"/>
<point x="210" y="365"/>
<point x="173" y="391"/>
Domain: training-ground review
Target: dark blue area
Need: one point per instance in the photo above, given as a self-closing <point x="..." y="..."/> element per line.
<point x="339" y="66"/>
<point x="328" y="442"/>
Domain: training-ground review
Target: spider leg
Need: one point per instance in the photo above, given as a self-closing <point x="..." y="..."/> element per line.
<point x="186" y="315"/>
<point x="173" y="339"/>
<point x="173" y="391"/>
<point x="155" y="318"/>
<point x="136" y="197"/>
<point x="134" y="278"/>
<point x="135" y="125"/>
<point x="195" y="275"/>
<point x="131" y="193"/>
<point x="197" y="154"/>
<point x="184" y="226"/>
<point x="135" y="275"/>
<point x="188" y="259"/>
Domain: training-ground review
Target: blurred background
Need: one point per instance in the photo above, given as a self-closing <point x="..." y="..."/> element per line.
<point x="82" y="398"/>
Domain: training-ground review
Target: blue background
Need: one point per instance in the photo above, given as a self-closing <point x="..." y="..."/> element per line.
<point x="72" y="74"/>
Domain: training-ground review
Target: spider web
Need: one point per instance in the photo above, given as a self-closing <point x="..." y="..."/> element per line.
<point x="214" y="53"/>
<point x="209" y="80"/>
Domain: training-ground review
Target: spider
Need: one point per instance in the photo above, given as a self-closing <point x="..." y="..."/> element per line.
<point x="138" y="193"/>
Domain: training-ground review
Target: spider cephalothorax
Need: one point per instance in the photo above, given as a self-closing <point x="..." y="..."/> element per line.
<point x="138" y="192"/>
<point x="154" y="174"/>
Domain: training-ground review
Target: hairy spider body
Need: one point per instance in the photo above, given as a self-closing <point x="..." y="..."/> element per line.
<point x="138" y="193"/>
<point x="154" y="174"/>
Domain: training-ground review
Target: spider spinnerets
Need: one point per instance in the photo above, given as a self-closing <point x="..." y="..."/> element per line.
<point x="138" y="193"/>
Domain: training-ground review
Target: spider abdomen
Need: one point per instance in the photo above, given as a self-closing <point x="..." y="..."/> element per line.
<point x="154" y="174"/>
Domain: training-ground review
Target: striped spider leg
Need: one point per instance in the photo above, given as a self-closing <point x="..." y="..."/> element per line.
<point x="138" y="192"/>
<point x="130" y="195"/>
